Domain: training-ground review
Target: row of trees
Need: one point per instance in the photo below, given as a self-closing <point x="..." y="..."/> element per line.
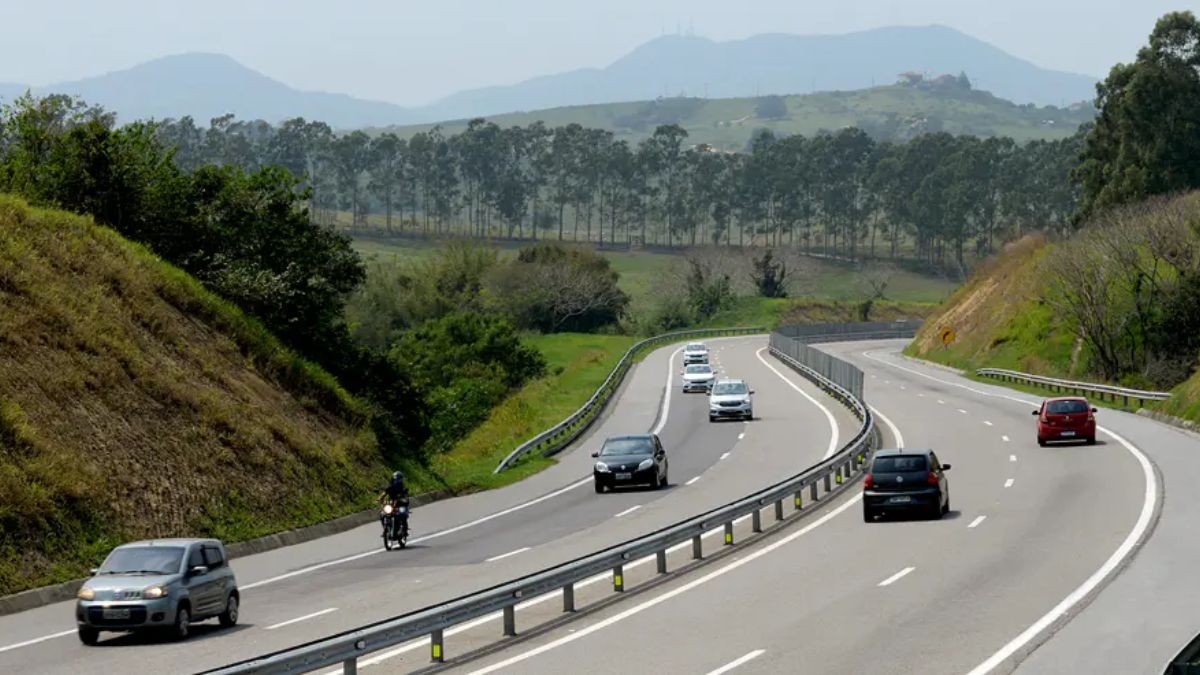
<point x="940" y="198"/>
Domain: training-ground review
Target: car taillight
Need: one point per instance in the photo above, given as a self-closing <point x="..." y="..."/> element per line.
<point x="931" y="478"/>
<point x="868" y="481"/>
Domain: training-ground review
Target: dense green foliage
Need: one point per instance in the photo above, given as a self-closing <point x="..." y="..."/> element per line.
<point x="940" y="198"/>
<point x="551" y="289"/>
<point x="1147" y="138"/>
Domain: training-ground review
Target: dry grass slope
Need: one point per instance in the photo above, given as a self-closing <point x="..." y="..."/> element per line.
<point x="134" y="404"/>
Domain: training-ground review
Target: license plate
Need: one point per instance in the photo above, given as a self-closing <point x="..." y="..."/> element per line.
<point x="624" y="476"/>
<point x="115" y="614"/>
<point x="900" y="500"/>
<point x="1067" y="433"/>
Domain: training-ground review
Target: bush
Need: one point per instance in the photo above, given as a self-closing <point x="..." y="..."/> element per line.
<point x="466" y="345"/>
<point x="552" y="289"/>
<point x="456" y="410"/>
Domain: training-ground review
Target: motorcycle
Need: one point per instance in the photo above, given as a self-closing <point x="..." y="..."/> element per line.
<point x="394" y="518"/>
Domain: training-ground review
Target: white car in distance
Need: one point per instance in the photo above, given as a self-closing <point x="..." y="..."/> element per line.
<point x="698" y="377"/>
<point x="695" y="352"/>
<point x="731" y="399"/>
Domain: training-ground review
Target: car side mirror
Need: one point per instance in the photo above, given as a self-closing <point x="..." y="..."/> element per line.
<point x="945" y="467"/>
<point x="198" y="570"/>
<point x="1094" y="410"/>
<point x="1034" y="413"/>
<point x="595" y="454"/>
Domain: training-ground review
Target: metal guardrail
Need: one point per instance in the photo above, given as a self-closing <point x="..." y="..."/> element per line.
<point x="847" y="332"/>
<point x="565" y="432"/>
<point x="1079" y="388"/>
<point x="831" y="474"/>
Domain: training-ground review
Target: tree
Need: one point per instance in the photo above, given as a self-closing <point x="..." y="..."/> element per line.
<point x="770" y="107"/>
<point x="550" y="288"/>
<point x="1147" y="135"/>
<point x="770" y="275"/>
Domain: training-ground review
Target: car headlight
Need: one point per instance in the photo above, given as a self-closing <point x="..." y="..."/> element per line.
<point x="646" y="464"/>
<point x="601" y="467"/>
<point x="154" y="592"/>
<point x="86" y="593"/>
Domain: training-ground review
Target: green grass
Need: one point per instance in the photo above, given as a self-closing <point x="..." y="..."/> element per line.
<point x="576" y="366"/>
<point x="728" y="123"/>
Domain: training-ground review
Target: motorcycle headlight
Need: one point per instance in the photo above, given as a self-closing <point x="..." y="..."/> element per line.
<point x="86" y="593"/>
<point x="154" y="592"/>
<point x="601" y="467"/>
<point x="387" y="509"/>
<point x="646" y="464"/>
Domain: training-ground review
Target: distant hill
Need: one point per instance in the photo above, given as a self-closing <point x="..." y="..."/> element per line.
<point x="120" y="375"/>
<point x="777" y="64"/>
<point x="894" y="112"/>
<point x="210" y="85"/>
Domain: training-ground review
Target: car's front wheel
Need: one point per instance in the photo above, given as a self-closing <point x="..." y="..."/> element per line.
<point x="88" y="635"/>
<point x="183" y="624"/>
<point x="599" y="488"/>
<point x="229" y="617"/>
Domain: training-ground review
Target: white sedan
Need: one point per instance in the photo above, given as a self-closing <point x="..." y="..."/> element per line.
<point x="698" y="377"/>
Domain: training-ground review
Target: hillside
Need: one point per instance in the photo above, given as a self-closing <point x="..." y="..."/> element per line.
<point x="1010" y="313"/>
<point x="894" y="112"/>
<point x="211" y="85"/>
<point x="777" y="64"/>
<point x="133" y="403"/>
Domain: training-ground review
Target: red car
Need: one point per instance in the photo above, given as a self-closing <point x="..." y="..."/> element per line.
<point x="1066" y="419"/>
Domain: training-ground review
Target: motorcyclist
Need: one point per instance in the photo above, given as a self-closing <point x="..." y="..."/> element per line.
<point x="396" y="492"/>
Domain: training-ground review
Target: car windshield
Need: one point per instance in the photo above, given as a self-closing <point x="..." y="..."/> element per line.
<point x="727" y="388"/>
<point x="695" y="347"/>
<point x="627" y="446"/>
<point x="143" y="560"/>
<point x="1066" y="407"/>
<point x="691" y="370"/>
<point x="899" y="464"/>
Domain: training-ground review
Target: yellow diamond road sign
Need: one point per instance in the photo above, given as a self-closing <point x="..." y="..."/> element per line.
<point x="947" y="335"/>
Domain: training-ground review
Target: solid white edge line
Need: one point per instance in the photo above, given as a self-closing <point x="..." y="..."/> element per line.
<point x="637" y="609"/>
<point x="665" y="410"/>
<point x="1118" y="557"/>
<point x="502" y="556"/>
<point x="298" y="619"/>
<point x="692" y="480"/>
<point x="738" y="662"/>
<point x="975" y="523"/>
<point x="896" y="577"/>
<point x="1008" y="483"/>
<point x="895" y="429"/>
<point x="833" y="425"/>
<point x="628" y="511"/>
<point x="34" y="641"/>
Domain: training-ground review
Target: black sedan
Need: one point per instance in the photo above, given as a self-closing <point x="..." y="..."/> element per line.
<point x="630" y="460"/>
<point x="906" y="480"/>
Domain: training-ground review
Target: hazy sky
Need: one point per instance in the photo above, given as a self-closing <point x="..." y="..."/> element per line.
<point x="413" y="52"/>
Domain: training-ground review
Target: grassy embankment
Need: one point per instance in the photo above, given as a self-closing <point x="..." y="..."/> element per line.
<point x="1002" y="320"/>
<point x="577" y="364"/>
<point x="133" y="403"/>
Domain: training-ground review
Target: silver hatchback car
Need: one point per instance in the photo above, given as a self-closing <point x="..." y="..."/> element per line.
<point x="163" y="584"/>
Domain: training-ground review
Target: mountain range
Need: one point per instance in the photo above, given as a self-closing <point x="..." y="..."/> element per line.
<point x="209" y="85"/>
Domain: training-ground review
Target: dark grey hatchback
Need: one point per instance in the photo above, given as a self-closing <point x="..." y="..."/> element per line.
<point x="906" y="480"/>
<point x="630" y="460"/>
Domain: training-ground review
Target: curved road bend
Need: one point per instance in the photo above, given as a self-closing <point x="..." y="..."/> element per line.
<point x="1029" y="528"/>
<point x="305" y="592"/>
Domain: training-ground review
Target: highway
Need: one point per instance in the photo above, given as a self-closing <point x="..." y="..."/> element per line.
<point x="305" y="592"/>
<point x="1033" y="535"/>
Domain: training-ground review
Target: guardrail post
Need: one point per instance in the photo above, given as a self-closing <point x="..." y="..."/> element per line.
<point x="779" y="507"/>
<point x="350" y="666"/>
<point x="437" y="653"/>
<point x="661" y="560"/>
<point x="729" y="533"/>
<point x="510" y="620"/>
<point x="812" y="492"/>
<point x="619" y="579"/>
<point x="697" y="548"/>
<point x="569" y="598"/>
<point x="756" y="521"/>
<point x="828" y="483"/>
<point x="1126" y="399"/>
